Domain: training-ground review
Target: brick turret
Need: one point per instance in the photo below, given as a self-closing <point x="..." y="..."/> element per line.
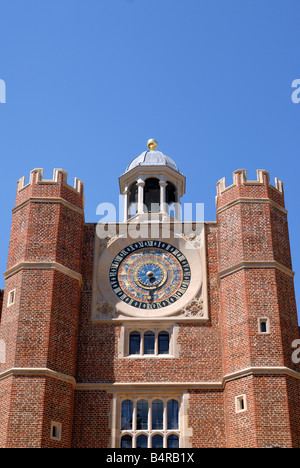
<point x="259" y="317"/>
<point x="40" y="312"/>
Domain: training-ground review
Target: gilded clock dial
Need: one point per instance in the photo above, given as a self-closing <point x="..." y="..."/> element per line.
<point x="150" y="274"/>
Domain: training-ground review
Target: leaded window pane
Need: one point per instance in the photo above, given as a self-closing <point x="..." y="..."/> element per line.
<point x="157" y="441"/>
<point x="142" y="415"/>
<point x="163" y="343"/>
<point x="157" y="414"/>
<point x="126" y="441"/>
<point x="149" y="343"/>
<point x="142" y="441"/>
<point x="173" y="441"/>
<point x="127" y="410"/>
<point x="172" y="412"/>
<point x="134" y="343"/>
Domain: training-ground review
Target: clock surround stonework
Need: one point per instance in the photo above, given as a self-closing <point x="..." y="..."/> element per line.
<point x="107" y="305"/>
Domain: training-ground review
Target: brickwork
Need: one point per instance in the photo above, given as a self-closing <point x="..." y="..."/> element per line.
<point x="36" y="401"/>
<point x="92" y="419"/>
<point x="240" y="427"/>
<point x="64" y="367"/>
<point x="207" y="418"/>
<point x="256" y="282"/>
<point x="39" y="328"/>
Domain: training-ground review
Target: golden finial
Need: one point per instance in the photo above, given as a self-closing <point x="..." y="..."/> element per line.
<point x="152" y="144"/>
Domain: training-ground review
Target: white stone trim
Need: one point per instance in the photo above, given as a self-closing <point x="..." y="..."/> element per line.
<point x="180" y="386"/>
<point x="263" y="370"/>
<point x="43" y="266"/>
<point x="134" y="432"/>
<point x="260" y="264"/>
<point x="153" y="171"/>
<point x="11" y="297"/>
<point x="252" y="200"/>
<point x="58" y="430"/>
<point x="155" y="387"/>
<point x="149" y="386"/>
<point x="241" y="400"/>
<point x="38" y="372"/>
<point x="141" y="327"/>
<point x="49" y="200"/>
<point x="267" y="322"/>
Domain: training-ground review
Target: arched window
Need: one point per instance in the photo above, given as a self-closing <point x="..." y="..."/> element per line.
<point x="172" y="414"/>
<point x="170" y="193"/>
<point x="134" y="343"/>
<point x="157" y="415"/>
<point x="133" y="193"/>
<point x="127" y="411"/>
<point x="142" y="441"/>
<point x="142" y="415"/>
<point x="133" y="199"/>
<point x="163" y="342"/>
<point x="157" y="441"/>
<point x="148" y="422"/>
<point x="152" y="195"/>
<point x="126" y="441"/>
<point x="149" y="343"/>
<point x="173" y="441"/>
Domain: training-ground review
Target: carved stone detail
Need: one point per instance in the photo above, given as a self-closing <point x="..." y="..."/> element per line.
<point x="193" y="238"/>
<point x="105" y="310"/>
<point x="193" y="309"/>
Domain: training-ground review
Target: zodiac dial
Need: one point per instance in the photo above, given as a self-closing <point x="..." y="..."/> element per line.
<point x="150" y="274"/>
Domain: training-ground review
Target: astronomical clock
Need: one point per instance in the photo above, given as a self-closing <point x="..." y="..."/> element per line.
<point x="152" y="266"/>
<point x="150" y="277"/>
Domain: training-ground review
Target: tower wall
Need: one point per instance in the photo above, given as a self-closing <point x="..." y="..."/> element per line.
<point x="256" y="284"/>
<point x="39" y="327"/>
<point x="63" y="366"/>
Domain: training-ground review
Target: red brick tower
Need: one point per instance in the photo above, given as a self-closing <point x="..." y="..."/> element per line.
<point x="259" y="318"/>
<point x="40" y="312"/>
<point x="84" y="365"/>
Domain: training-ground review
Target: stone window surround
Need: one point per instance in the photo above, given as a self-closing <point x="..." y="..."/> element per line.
<point x="11" y="297"/>
<point x="265" y="320"/>
<point x="183" y="432"/>
<point x="241" y="403"/>
<point x="124" y="340"/>
<point x="56" y="429"/>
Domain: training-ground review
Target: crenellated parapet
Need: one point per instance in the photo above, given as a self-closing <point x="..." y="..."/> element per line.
<point x="47" y="221"/>
<point x="58" y="187"/>
<point x="244" y="188"/>
<point x="252" y="222"/>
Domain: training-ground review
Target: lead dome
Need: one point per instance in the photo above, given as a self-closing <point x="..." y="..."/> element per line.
<point x="152" y="158"/>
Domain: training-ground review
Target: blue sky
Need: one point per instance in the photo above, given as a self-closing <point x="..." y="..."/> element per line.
<point x="88" y="82"/>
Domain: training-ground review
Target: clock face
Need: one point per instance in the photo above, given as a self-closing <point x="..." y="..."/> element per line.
<point x="150" y="274"/>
